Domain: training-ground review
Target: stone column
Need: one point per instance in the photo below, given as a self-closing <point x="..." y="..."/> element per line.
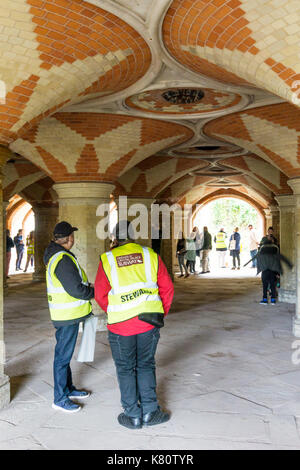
<point x="78" y="203"/>
<point x="287" y="291"/>
<point x="268" y="219"/>
<point x="295" y="185"/>
<point x="45" y="220"/>
<point x="5" y="205"/>
<point x="275" y="214"/>
<point x="5" y="154"/>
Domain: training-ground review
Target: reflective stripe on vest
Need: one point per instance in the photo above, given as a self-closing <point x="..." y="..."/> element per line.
<point x="220" y="240"/>
<point x="62" y="305"/>
<point x="128" y="301"/>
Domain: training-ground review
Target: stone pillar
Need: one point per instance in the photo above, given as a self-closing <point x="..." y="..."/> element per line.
<point x="287" y="291"/>
<point x="295" y="185"/>
<point x="275" y="214"/>
<point x="78" y="203"/>
<point x="5" y="154"/>
<point x="268" y="219"/>
<point x="5" y="205"/>
<point x="45" y="220"/>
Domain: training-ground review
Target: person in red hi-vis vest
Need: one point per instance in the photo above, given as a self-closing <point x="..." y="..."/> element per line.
<point x="135" y="290"/>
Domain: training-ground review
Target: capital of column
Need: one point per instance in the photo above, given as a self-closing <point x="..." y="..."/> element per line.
<point x="83" y="190"/>
<point x="267" y="212"/>
<point x="294" y="183"/>
<point x="286" y="200"/>
<point x="138" y="200"/>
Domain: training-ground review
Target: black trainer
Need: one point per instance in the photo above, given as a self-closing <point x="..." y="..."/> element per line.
<point x="155" y="417"/>
<point x="128" y="422"/>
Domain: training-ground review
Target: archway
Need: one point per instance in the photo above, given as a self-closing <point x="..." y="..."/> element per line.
<point x="229" y="212"/>
<point x="19" y="215"/>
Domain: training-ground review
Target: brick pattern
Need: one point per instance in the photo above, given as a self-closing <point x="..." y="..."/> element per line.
<point x="255" y="166"/>
<point x="95" y="147"/>
<point x="56" y="52"/>
<point x="40" y="193"/>
<point x="237" y="41"/>
<point x="153" y="101"/>
<point x="149" y="177"/>
<point x="271" y="132"/>
<point x="17" y="176"/>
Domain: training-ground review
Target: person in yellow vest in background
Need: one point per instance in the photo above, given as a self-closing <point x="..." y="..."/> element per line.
<point x="30" y="250"/>
<point x="69" y="294"/>
<point x="221" y="247"/>
<point x="134" y="288"/>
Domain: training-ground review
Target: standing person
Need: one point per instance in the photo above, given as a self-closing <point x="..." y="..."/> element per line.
<point x="19" y="244"/>
<point x="235" y="247"/>
<point x="270" y="233"/>
<point x="30" y="250"/>
<point x="191" y="252"/>
<point x="9" y="246"/>
<point x="269" y="264"/>
<point x="221" y="247"/>
<point x="253" y="245"/>
<point x="134" y="288"/>
<point x="198" y="242"/>
<point x="69" y="294"/>
<point x="206" y="247"/>
<point x="181" y="252"/>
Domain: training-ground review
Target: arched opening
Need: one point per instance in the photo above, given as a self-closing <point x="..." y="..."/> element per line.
<point x="19" y="215"/>
<point x="228" y="213"/>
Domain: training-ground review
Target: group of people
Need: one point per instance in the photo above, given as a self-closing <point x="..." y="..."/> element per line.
<point x="19" y="244"/>
<point x="200" y="244"/>
<point x="135" y="290"/>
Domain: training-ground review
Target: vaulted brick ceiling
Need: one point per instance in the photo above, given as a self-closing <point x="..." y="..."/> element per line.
<point x="85" y="95"/>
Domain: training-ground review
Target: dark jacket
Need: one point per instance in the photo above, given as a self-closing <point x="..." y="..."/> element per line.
<point x="270" y="258"/>
<point x="207" y="245"/>
<point x="9" y="244"/>
<point x="67" y="273"/>
<point x="181" y="247"/>
<point x="18" y="241"/>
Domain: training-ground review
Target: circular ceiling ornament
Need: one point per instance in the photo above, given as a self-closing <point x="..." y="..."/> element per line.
<point x="183" y="101"/>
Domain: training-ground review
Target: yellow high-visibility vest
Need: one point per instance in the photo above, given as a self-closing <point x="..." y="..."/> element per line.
<point x="220" y="240"/>
<point x="132" y="272"/>
<point x="30" y="246"/>
<point x="62" y="305"/>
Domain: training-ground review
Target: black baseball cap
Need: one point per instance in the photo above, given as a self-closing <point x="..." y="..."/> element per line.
<point x="63" y="229"/>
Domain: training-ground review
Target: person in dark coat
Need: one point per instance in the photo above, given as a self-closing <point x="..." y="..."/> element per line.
<point x="269" y="264"/>
<point x="9" y="245"/>
<point x="235" y="252"/>
<point x="181" y="252"/>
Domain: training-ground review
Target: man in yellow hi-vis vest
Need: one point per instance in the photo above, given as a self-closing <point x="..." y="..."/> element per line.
<point x="69" y="294"/>
<point x="135" y="289"/>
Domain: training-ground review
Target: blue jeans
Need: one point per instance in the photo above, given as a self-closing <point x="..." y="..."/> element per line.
<point x="252" y="254"/>
<point x="135" y="364"/>
<point x="20" y="253"/>
<point x="66" y="337"/>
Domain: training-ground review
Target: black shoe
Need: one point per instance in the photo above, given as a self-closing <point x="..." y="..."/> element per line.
<point x="128" y="422"/>
<point x="155" y="417"/>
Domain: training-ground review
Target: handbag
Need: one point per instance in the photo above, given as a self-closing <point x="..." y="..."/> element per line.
<point x="155" y="319"/>
<point x="232" y="244"/>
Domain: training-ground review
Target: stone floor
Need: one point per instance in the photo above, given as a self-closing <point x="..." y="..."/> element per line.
<point x="224" y="369"/>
